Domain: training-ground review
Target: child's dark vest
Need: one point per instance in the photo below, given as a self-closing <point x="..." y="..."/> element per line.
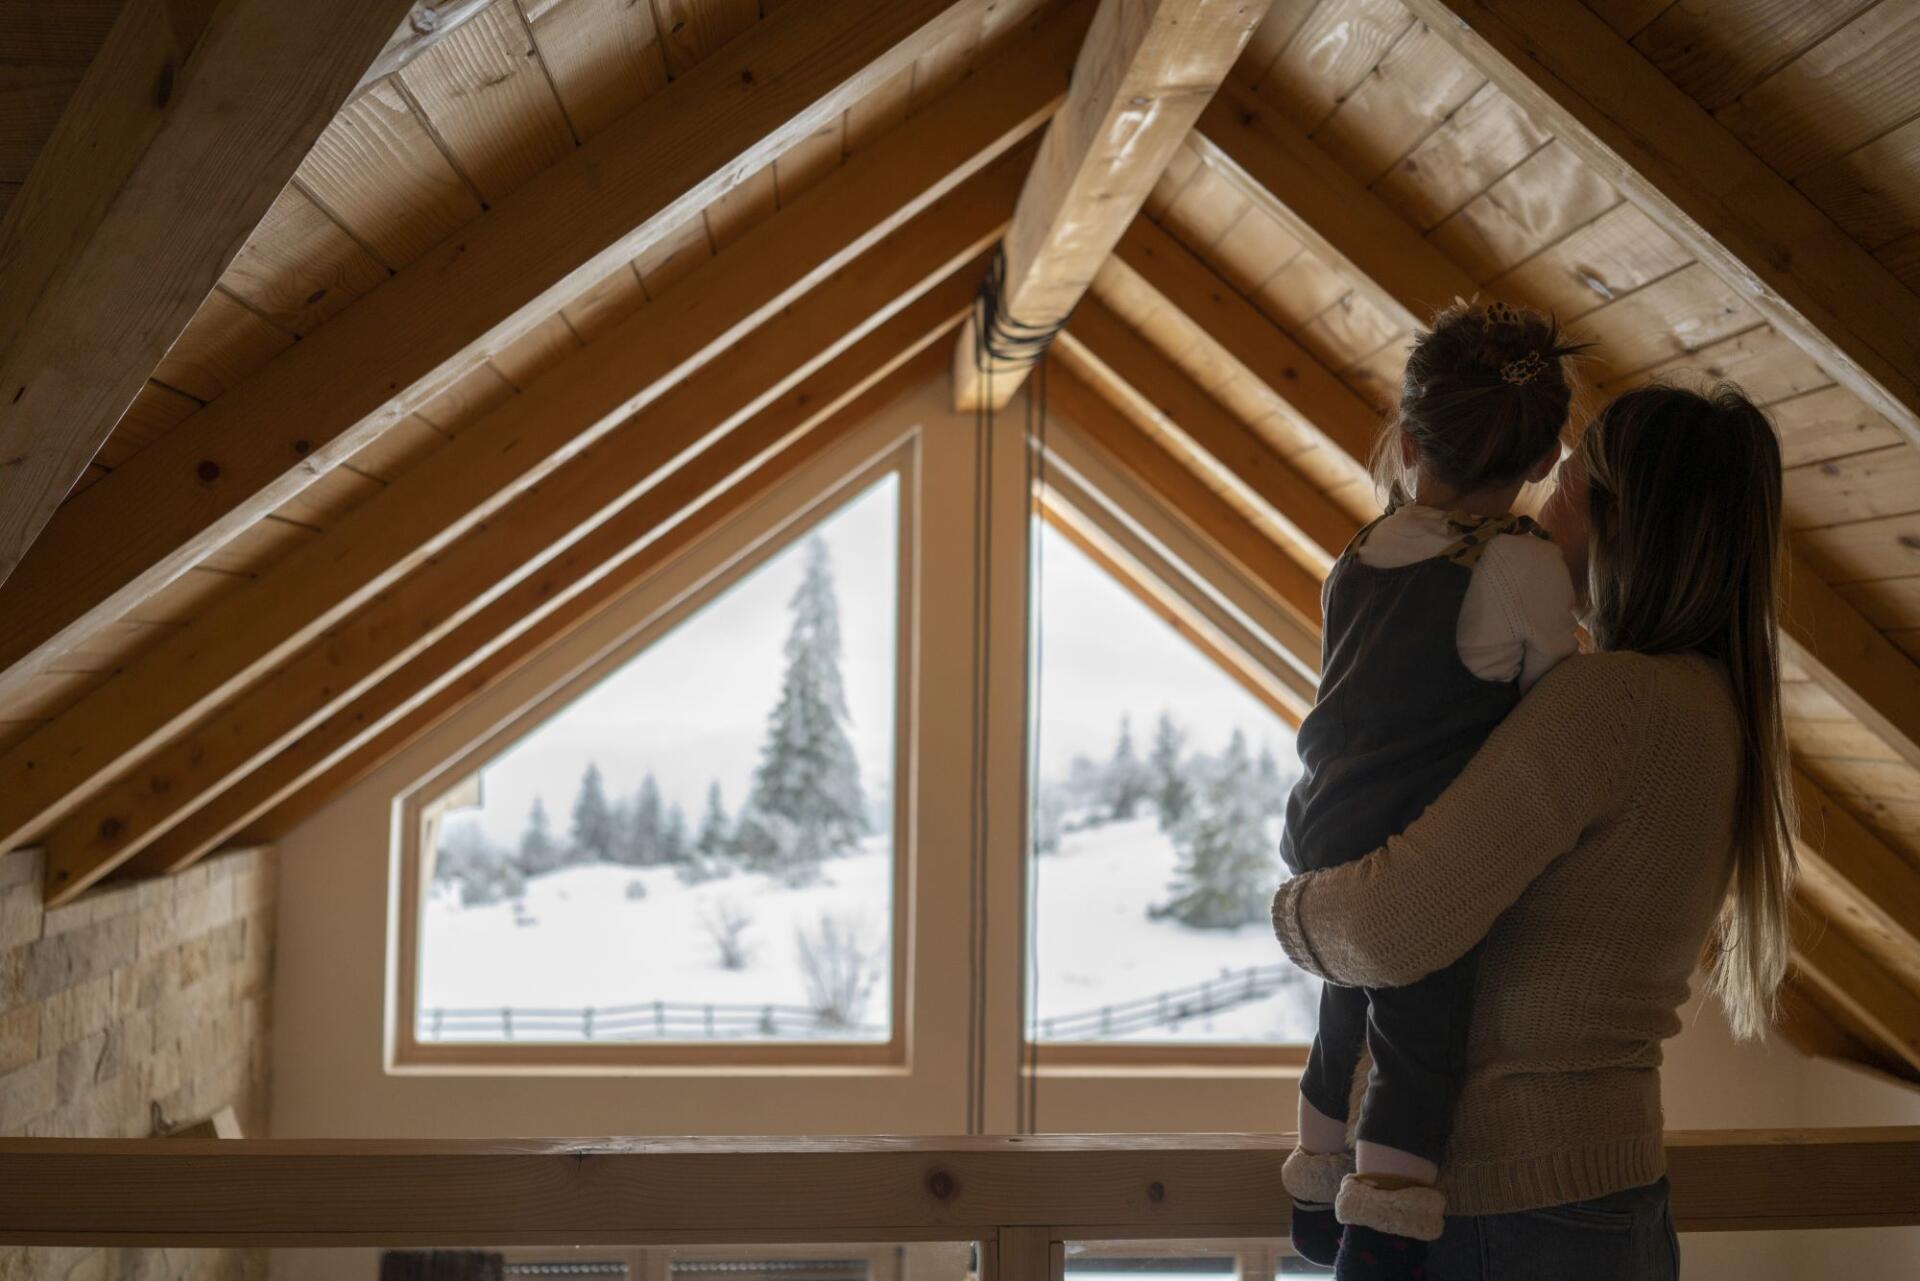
<point x="1399" y="715"/>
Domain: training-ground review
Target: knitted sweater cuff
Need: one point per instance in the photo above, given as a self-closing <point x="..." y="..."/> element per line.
<point x="1291" y="930"/>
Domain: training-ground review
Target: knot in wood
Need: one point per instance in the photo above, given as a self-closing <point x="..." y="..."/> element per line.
<point x="940" y="1184"/>
<point x="208" y="470"/>
<point x="111" y="828"/>
<point x="1156" y="1192"/>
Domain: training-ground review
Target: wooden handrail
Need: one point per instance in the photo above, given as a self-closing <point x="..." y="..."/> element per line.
<point x="725" y="1190"/>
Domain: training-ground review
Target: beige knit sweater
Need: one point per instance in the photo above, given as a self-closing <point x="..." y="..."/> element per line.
<point x="1590" y="844"/>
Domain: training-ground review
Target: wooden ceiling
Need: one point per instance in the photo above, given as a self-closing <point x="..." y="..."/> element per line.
<point x="444" y="392"/>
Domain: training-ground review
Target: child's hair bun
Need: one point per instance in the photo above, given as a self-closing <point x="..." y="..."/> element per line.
<point x="1486" y="393"/>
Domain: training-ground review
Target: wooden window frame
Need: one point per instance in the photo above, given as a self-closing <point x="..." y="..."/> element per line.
<point x="668" y="598"/>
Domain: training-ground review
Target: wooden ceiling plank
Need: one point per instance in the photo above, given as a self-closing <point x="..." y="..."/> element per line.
<point x="486" y="95"/>
<point x="1331" y="54"/>
<point x="1327" y="210"/>
<point x="1324" y="407"/>
<point x="135" y="206"/>
<point x="427" y="24"/>
<point x="1854" y="981"/>
<point x="129" y="811"/>
<point x="1704" y="187"/>
<point x="378" y="170"/>
<point x="1072" y="388"/>
<point x="1143" y="75"/>
<point x="572" y="589"/>
<point x="1127" y="366"/>
<point x="1716" y="50"/>
<point x="1842" y="651"/>
<point x="1422" y="81"/>
<point x="1881" y="882"/>
<point x="605" y="57"/>
<point x="517" y="443"/>
<point x="1848" y="657"/>
<point x="403" y="343"/>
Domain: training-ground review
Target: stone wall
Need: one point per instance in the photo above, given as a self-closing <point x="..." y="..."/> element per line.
<point x="141" y="1008"/>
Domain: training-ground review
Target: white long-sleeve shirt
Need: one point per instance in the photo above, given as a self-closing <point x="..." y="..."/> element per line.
<point x="1518" y="617"/>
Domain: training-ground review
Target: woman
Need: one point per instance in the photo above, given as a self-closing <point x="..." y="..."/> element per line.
<point x="1632" y="806"/>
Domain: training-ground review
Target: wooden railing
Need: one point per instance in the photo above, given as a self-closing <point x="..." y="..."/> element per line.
<point x="1023" y="1195"/>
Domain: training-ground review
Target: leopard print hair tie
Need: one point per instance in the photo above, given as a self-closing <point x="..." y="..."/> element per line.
<point x="1524" y="370"/>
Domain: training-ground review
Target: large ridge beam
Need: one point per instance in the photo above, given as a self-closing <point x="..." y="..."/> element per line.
<point x="248" y="633"/>
<point x="1143" y="75"/>
<point x="403" y="343"/>
<point x="160" y="792"/>
<point x="166" y="158"/>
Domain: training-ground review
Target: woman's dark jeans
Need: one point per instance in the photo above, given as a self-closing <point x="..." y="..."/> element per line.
<point x="1625" y="1236"/>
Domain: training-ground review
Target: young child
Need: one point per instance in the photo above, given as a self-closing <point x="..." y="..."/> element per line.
<point x="1438" y="617"/>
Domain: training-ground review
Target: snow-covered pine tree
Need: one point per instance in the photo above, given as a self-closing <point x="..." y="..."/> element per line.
<point x="806" y="804"/>
<point x="1127" y="779"/>
<point x="1172" y="789"/>
<point x="539" y="852"/>
<point x="593" y="832"/>
<point x="713" y="842"/>
<point x="1270" y="784"/>
<point x="674" y="847"/>
<point x="645" y="830"/>
<point x="1228" y="867"/>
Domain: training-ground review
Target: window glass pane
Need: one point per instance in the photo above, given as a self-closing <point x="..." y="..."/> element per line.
<point x="700" y="846"/>
<point x="1161" y="781"/>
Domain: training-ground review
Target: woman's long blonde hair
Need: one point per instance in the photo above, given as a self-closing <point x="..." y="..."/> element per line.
<point x="1684" y="501"/>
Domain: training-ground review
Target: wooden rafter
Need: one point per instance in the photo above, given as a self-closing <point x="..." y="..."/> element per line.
<point x="1604" y="100"/>
<point x="160" y="792"/>
<point x="1847" y="656"/>
<point x="1144" y="73"/>
<point x="1110" y="427"/>
<point x="517" y="445"/>
<point x="1305" y="391"/>
<point x="1279" y="697"/>
<point x="1289" y="177"/>
<point x="1136" y="373"/>
<point x="602" y="568"/>
<point x="168" y="155"/>
<point x="404" y="342"/>
<point x="1878" y="880"/>
<point x="1856" y="983"/>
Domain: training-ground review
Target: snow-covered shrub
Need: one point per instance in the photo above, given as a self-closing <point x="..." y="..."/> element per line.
<point x="636" y="888"/>
<point x="727" y="922"/>
<point x="839" y="967"/>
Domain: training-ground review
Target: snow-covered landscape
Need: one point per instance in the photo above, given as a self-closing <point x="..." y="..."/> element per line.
<point x="576" y="939"/>
<point x="598" y="885"/>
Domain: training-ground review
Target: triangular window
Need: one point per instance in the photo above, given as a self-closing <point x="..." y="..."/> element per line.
<point x="1161" y="779"/>
<point x="698" y="845"/>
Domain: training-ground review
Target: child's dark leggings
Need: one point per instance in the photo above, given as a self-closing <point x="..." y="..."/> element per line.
<point x="1418" y="1037"/>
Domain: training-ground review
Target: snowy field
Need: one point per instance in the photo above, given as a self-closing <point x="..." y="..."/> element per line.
<point x="576" y="939"/>
<point x="1097" y="946"/>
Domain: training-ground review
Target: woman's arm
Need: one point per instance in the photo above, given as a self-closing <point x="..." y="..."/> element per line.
<point x="1556" y="766"/>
